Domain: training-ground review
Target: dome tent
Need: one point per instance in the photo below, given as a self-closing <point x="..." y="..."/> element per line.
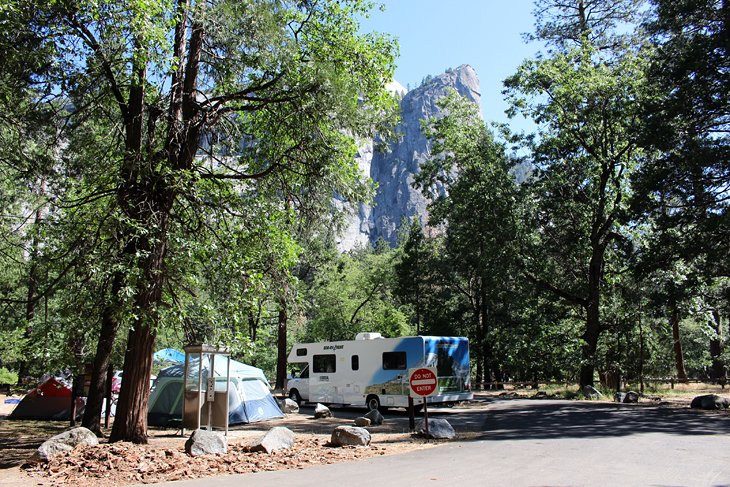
<point x="51" y="400"/>
<point x="249" y="396"/>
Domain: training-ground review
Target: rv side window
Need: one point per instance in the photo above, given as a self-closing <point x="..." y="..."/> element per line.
<point x="301" y="352"/>
<point x="394" y="360"/>
<point x="323" y="364"/>
<point x="355" y="362"/>
<point x="305" y="373"/>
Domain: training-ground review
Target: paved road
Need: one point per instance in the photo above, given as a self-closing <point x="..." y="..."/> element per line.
<point x="542" y="443"/>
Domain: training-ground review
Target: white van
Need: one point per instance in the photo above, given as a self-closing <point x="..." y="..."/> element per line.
<point x="372" y="371"/>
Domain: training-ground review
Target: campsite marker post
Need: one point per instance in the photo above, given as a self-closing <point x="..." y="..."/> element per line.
<point x="423" y="382"/>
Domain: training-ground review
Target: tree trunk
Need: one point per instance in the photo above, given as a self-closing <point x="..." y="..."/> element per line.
<point x="641" y="357"/>
<point x="678" y="354"/>
<point x="281" y="351"/>
<point x="130" y="421"/>
<point x="31" y="297"/>
<point x="718" y="367"/>
<point x="99" y="373"/>
<point x="479" y="348"/>
<point x="590" y="344"/>
<point x="593" y="314"/>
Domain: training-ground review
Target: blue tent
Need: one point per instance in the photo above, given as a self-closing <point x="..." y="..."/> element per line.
<point x="169" y="355"/>
<point x="249" y="396"/>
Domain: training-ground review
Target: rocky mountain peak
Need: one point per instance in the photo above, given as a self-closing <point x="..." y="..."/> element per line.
<point x="394" y="169"/>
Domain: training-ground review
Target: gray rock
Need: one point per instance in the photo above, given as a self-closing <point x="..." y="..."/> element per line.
<point x="350" y="436"/>
<point x="631" y="397"/>
<point x="591" y="392"/>
<point x="204" y="442"/>
<point x="375" y="417"/>
<point x="322" y="411"/>
<point x="63" y="442"/>
<point x="277" y="438"/>
<point x="709" y="402"/>
<point x="362" y="422"/>
<point x="394" y="166"/>
<point x="290" y="407"/>
<point x="438" y="429"/>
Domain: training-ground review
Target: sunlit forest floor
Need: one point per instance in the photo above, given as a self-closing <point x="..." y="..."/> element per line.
<point x="164" y="458"/>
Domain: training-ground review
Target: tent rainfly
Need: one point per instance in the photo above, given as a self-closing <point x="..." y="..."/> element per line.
<point x="249" y="395"/>
<point x="49" y="401"/>
<point x="169" y="355"/>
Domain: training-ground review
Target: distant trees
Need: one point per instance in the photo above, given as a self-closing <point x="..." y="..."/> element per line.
<point x="608" y="259"/>
<point x="478" y="214"/>
<point x="684" y="190"/>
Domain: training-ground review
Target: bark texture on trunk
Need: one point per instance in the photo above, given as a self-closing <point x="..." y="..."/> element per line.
<point x="130" y="421"/>
<point x="678" y="353"/>
<point x="593" y="312"/>
<point x="281" y="351"/>
<point x="716" y="346"/>
<point x="100" y="370"/>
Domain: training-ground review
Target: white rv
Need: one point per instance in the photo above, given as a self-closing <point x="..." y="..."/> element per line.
<point x="372" y="371"/>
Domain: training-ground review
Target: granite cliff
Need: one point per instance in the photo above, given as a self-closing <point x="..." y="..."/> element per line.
<point x="394" y="168"/>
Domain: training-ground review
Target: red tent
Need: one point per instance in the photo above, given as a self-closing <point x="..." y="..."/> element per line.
<point x="50" y="400"/>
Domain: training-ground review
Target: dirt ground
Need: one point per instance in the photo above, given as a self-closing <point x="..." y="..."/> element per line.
<point x="164" y="458"/>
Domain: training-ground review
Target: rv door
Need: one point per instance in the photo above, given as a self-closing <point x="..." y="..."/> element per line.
<point x="298" y="385"/>
<point x="322" y="384"/>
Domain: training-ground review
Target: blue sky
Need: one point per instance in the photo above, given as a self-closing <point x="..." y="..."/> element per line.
<point x="438" y="34"/>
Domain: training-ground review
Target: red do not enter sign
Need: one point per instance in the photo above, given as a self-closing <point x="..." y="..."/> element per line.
<point x="423" y="381"/>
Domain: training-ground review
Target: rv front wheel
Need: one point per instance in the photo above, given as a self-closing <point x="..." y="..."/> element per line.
<point x="294" y="396"/>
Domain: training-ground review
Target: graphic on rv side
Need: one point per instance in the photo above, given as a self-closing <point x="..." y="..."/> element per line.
<point x="372" y="371"/>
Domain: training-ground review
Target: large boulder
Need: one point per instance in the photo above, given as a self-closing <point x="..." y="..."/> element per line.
<point x="350" y="436"/>
<point x="362" y="422"/>
<point x="438" y="429"/>
<point x="277" y="438"/>
<point x="204" y="442"/>
<point x="710" y="401"/>
<point x="322" y="411"/>
<point x="375" y="417"/>
<point x="591" y="392"/>
<point x="63" y="442"/>
<point x="631" y="397"/>
<point x="290" y="407"/>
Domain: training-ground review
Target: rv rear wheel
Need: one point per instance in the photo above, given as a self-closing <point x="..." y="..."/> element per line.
<point x="294" y="396"/>
<point x="373" y="403"/>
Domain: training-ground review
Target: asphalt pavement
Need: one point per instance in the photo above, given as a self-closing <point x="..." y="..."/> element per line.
<point x="541" y="443"/>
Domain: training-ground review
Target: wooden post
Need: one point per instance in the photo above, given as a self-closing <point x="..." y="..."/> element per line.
<point x="411" y="415"/>
<point x="425" y="416"/>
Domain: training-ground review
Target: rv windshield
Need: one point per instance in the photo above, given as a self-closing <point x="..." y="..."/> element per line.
<point x="295" y="371"/>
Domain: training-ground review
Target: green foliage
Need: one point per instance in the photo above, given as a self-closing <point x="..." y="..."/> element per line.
<point x="354" y="293"/>
<point x="683" y="191"/>
<point x="215" y="214"/>
<point x="7" y="376"/>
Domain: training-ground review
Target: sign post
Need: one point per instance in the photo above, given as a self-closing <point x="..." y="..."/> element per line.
<point x="423" y="382"/>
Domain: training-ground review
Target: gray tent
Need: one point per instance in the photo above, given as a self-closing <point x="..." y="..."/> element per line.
<point x="249" y="396"/>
